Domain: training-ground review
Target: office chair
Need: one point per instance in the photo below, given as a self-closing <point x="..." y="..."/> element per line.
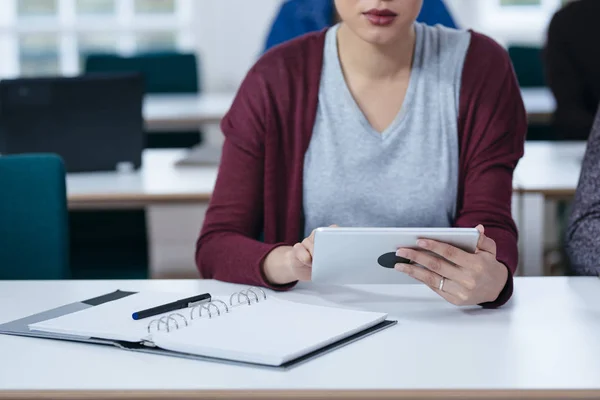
<point x="94" y="123"/>
<point x="34" y="242"/>
<point x="164" y="73"/>
<point x="529" y="68"/>
<point x="528" y="64"/>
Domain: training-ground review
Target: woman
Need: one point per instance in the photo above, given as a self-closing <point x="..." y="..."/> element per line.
<point x="583" y="232"/>
<point x="297" y="17"/>
<point x="378" y="121"/>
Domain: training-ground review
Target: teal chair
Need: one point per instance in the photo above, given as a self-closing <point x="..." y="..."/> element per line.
<point x="164" y="73"/>
<point x="117" y="247"/>
<point x="34" y="235"/>
<point x="528" y="64"/>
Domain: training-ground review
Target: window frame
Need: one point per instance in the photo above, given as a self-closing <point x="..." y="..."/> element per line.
<point x="69" y="27"/>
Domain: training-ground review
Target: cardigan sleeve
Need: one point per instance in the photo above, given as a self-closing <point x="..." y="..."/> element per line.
<point x="584" y="224"/>
<point x="229" y="248"/>
<point x="492" y="126"/>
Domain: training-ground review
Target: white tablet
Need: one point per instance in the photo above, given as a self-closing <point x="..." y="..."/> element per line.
<point x="368" y="255"/>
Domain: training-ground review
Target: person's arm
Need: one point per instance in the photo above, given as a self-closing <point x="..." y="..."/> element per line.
<point x="583" y="232"/>
<point x="572" y="118"/>
<point x="493" y="126"/>
<point x="228" y="248"/>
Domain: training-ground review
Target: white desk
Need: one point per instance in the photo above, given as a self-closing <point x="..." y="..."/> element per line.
<point x="548" y="171"/>
<point x="186" y="111"/>
<point x="539" y="104"/>
<point x="544" y="344"/>
<point x="159" y="181"/>
<point x="176" y="198"/>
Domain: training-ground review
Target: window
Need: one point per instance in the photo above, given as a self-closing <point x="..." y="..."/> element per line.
<point x="50" y="37"/>
<point x="516" y="21"/>
<point x="511" y="3"/>
<point x="505" y="3"/>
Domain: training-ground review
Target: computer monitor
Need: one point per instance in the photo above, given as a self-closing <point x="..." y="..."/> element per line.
<point x="94" y="122"/>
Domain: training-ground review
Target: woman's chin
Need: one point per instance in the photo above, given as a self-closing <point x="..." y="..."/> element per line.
<point x="379" y="38"/>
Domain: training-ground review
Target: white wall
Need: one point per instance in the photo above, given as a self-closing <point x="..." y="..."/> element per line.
<point x="230" y="36"/>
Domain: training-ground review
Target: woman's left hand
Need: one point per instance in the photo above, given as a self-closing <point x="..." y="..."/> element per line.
<point x="459" y="277"/>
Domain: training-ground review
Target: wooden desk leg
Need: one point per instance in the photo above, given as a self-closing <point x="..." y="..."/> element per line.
<point x="532" y="235"/>
<point x="172" y="234"/>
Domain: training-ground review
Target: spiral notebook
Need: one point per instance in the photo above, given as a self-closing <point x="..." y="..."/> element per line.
<point x="246" y="327"/>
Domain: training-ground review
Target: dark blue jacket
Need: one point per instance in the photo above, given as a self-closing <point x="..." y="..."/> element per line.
<point x="297" y="17"/>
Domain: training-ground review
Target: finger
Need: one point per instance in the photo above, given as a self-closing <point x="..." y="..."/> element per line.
<point x="432" y="280"/>
<point x="309" y="245"/>
<point x="309" y="242"/>
<point x="302" y="254"/>
<point x="433" y="263"/>
<point x="450" y="253"/>
<point x="485" y="243"/>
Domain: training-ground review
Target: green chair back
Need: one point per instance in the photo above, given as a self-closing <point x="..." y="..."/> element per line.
<point x="34" y="238"/>
<point x="164" y="72"/>
<point x="528" y="65"/>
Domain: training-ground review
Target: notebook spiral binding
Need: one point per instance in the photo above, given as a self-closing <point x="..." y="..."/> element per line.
<point x="177" y="320"/>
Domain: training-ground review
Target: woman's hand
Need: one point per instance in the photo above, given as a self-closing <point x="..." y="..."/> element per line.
<point x="288" y="264"/>
<point x="459" y="277"/>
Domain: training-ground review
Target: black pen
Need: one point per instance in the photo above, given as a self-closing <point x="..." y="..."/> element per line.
<point x="176" y="305"/>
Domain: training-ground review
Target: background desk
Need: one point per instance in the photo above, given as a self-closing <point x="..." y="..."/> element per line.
<point x="185" y="111"/>
<point x="539" y="104"/>
<point x="544" y="344"/>
<point x="175" y="199"/>
<point x="188" y="111"/>
<point x="548" y="171"/>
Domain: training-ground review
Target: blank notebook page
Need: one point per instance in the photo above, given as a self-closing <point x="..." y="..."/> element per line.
<point x="271" y="332"/>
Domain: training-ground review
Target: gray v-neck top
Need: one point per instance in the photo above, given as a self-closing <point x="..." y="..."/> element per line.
<point x="407" y="175"/>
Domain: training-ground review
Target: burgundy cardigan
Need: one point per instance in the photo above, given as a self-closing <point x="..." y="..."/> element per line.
<point x="268" y="129"/>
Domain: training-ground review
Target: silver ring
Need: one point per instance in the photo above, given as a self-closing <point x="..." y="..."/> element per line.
<point x="441" y="288"/>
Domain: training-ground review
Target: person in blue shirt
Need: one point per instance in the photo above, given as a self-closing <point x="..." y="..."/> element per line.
<point x="297" y="17"/>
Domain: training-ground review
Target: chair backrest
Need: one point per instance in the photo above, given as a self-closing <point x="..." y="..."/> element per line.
<point x="34" y="238"/>
<point x="528" y="64"/>
<point x="164" y="72"/>
<point x="94" y="123"/>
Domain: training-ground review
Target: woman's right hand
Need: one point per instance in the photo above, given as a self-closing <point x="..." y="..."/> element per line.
<point x="289" y="264"/>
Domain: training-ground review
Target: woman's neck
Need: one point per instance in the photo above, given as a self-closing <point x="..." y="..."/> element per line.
<point x="375" y="62"/>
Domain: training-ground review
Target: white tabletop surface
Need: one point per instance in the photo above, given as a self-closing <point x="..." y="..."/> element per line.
<point x="552" y="168"/>
<point x="159" y="180"/>
<point x="185" y="111"/>
<point x="546" y="338"/>
<point x="547" y="167"/>
<point x="539" y="102"/>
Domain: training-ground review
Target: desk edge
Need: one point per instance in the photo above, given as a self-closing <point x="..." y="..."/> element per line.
<point x="300" y="394"/>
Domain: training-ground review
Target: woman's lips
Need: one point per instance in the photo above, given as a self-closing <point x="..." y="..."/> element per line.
<point x="380" y="17"/>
